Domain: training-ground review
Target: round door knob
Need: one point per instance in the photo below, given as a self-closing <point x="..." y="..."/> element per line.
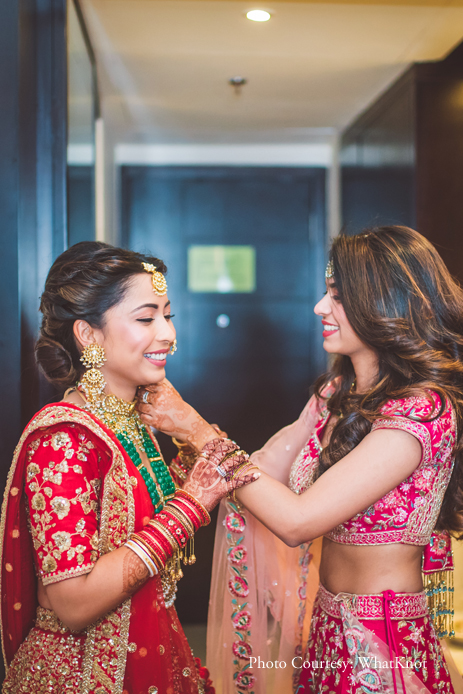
<point x="223" y="321"/>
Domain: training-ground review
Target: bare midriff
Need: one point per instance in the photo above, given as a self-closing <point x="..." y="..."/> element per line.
<point x="366" y="569"/>
<point x="370" y="568"/>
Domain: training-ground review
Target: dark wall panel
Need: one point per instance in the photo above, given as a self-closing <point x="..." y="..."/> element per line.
<point x="377" y="162"/>
<point x="439" y="170"/>
<point x="81" y="204"/>
<point x="32" y="194"/>
<point x="402" y="160"/>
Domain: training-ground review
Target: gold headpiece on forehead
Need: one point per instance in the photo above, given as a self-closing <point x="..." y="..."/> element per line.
<point x="329" y="272"/>
<point x="157" y="279"/>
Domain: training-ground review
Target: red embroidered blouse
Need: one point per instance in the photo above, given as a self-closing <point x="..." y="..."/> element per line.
<point x="62" y="488"/>
<point x="408" y="513"/>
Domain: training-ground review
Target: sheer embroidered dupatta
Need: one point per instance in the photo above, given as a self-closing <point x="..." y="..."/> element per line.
<point x="262" y="591"/>
<point x="140" y="642"/>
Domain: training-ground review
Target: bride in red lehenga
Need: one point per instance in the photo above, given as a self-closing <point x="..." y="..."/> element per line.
<point x="94" y="524"/>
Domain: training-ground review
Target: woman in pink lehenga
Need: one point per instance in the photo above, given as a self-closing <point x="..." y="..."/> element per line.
<point x="374" y="466"/>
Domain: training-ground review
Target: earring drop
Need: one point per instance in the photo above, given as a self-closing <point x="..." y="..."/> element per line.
<point x="174" y="347"/>
<point x="92" y="382"/>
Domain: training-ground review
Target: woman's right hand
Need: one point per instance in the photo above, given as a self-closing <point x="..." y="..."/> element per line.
<point x="162" y="407"/>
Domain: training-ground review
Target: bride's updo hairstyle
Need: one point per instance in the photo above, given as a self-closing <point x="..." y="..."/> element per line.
<point x="402" y="302"/>
<point x="83" y="283"/>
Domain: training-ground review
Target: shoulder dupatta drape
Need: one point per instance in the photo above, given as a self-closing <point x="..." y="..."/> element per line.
<point x="262" y="591"/>
<point x="124" y="508"/>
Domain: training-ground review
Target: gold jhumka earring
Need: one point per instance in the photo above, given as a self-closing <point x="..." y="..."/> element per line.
<point x="92" y="382"/>
<point x="157" y="279"/>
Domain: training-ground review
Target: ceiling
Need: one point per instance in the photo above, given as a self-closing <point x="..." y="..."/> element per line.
<point x="164" y="65"/>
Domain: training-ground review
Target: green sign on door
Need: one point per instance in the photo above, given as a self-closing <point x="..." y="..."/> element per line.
<point x="222" y="269"/>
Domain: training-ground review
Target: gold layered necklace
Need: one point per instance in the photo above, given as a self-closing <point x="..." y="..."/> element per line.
<point x="120" y="416"/>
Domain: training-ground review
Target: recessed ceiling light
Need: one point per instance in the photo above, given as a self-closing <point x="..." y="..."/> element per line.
<point x="258" y="15"/>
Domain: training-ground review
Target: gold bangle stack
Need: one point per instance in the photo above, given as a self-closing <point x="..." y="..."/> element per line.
<point x="186" y="453"/>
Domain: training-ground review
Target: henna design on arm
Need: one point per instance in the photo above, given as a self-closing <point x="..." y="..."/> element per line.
<point x="134" y="573"/>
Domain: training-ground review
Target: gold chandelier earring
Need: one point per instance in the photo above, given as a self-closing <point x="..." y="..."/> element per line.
<point x="174" y="347"/>
<point x="92" y="383"/>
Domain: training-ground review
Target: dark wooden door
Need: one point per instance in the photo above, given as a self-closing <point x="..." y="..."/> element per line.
<point x="252" y="377"/>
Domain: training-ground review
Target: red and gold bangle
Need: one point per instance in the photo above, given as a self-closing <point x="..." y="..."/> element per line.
<point x="163" y="535"/>
<point x="172" y="525"/>
<point x="191" y="513"/>
<point x="183" y="519"/>
<point x="193" y="506"/>
<point x="156" y="545"/>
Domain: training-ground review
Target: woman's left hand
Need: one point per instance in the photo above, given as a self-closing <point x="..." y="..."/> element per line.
<point x="204" y="481"/>
<point x="162" y="407"/>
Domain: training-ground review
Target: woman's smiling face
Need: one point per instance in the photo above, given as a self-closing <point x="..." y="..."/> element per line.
<point x="339" y="337"/>
<point x="137" y="335"/>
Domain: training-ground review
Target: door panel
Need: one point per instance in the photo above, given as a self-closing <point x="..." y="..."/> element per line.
<point x="252" y="377"/>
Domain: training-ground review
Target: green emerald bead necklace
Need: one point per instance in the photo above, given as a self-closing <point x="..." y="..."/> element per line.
<point x="160" y="489"/>
<point x="122" y="418"/>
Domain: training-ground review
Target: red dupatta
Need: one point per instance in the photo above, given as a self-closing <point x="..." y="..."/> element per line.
<point x="141" y="641"/>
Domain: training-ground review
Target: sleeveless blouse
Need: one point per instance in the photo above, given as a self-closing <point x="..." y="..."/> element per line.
<point x="409" y="512"/>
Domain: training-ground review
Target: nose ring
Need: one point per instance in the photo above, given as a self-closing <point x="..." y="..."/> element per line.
<point x="174" y="346"/>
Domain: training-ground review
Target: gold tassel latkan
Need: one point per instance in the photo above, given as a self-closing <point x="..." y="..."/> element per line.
<point x="440" y="595"/>
<point x="189" y="560"/>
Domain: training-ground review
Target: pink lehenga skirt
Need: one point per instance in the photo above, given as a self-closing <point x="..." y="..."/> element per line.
<point x="361" y="644"/>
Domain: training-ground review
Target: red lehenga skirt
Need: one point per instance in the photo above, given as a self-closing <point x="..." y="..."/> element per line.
<point x="360" y="644"/>
<point x="52" y="659"/>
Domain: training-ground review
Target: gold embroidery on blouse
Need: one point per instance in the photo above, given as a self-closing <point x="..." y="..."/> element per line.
<point x="50" y="416"/>
<point x="61" y="541"/>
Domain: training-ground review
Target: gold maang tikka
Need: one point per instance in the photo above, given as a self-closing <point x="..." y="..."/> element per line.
<point x="92" y="382"/>
<point x="329" y="272"/>
<point x="157" y="279"/>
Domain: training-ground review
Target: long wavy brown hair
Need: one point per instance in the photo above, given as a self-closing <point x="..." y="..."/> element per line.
<point x="402" y="302"/>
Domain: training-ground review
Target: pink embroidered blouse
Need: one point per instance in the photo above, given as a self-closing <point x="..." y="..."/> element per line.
<point x="408" y="513"/>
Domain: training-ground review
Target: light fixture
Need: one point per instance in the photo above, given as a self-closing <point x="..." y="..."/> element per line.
<point x="258" y="15"/>
<point x="237" y="83"/>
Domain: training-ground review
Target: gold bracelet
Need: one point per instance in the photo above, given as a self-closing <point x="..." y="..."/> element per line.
<point x="186" y="453"/>
<point x="178" y="470"/>
<point x="240" y="469"/>
<point x="181" y="444"/>
<point x="232" y="494"/>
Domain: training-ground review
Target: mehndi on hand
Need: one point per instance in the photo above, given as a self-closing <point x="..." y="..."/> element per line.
<point x="220" y="469"/>
<point x="162" y="407"/>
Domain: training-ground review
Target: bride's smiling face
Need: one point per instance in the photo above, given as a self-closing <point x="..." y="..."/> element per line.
<point x="137" y="335"/>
